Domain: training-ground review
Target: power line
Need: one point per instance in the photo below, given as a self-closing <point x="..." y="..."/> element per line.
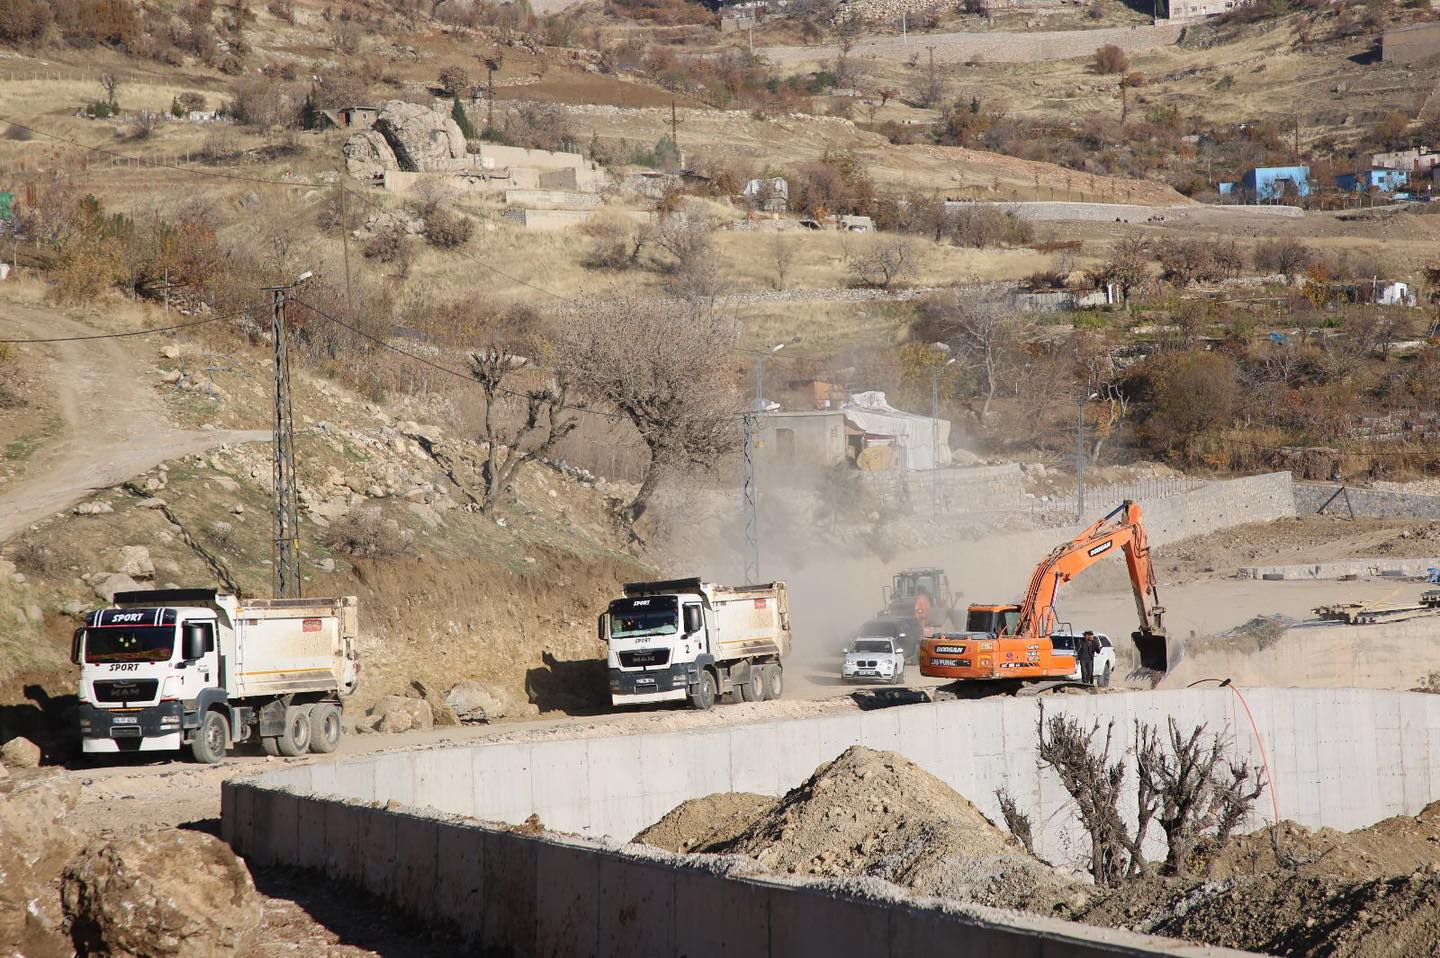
<point x="137" y="332"/>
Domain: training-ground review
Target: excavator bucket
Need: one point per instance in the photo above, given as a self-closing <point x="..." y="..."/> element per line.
<point x="1154" y="652"/>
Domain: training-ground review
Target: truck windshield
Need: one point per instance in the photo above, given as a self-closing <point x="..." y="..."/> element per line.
<point x="872" y="645"/>
<point x="628" y="625"/>
<point x="137" y="644"/>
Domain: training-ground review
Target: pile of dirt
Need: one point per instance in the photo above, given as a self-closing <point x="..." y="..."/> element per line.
<point x="878" y="814"/>
<point x="707" y="822"/>
<point x="1281" y="913"/>
<point x="1396" y="846"/>
<point x="1291" y="890"/>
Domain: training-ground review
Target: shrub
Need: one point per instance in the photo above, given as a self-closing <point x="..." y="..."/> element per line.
<point x="455" y="81"/>
<point x="886" y="262"/>
<point x="1111" y="59"/>
<point x="36" y="558"/>
<point x="366" y="534"/>
<point x="387" y="246"/>
<point x="447" y="230"/>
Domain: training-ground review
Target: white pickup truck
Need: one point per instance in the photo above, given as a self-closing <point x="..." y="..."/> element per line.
<point x="874" y="660"/>
<point x="198" y="669"/>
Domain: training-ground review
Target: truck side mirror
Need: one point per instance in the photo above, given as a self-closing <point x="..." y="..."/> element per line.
<point x="194" y="641"/>
<point x="75" y="641"/>
<point x="602" y="627"/>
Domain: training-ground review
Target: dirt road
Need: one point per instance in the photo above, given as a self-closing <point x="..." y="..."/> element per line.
<point x="115" y="424"/>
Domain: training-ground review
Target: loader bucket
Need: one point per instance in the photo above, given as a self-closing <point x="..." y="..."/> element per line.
<point x="1154" y="652"/>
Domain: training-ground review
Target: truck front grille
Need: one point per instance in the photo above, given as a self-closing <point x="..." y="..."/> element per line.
<point x="640" y="658"/>
<point x="126" y="690"/>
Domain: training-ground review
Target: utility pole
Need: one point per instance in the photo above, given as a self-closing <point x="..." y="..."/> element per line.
<point x="286" y="519"/>
<point x="675" y="130"/>
<point x="344" y="235"/>
<point x="935" y="372"/>
<point x="749" y="480"/>
<point x="1080" y="454"/>
<point x="904" y="28"/>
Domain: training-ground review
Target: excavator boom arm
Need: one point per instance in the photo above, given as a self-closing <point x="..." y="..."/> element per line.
<point x="1123" y="529"/>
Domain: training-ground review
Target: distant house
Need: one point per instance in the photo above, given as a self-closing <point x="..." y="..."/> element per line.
<point x="857" y="224"/>
<point x="352" y="117"/>
<point x="1270" y="184"/>
<point x="1415" y="160"/>
<point x="1386" y="181"/>
<point x="1227" y="189"/>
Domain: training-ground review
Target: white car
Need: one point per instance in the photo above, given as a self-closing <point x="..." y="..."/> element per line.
<point x="1066" y="643"/>
<point x="874" y="660"/>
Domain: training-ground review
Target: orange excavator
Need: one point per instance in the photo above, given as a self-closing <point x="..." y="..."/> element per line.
<point x="1013" y="641"/>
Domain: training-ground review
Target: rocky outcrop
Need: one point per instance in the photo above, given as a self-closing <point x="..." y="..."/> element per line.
<point x="416" y="134"/>
<point x="175" y="894"/>
<point x="456" y="139"/>
<point x="368" y="155"/>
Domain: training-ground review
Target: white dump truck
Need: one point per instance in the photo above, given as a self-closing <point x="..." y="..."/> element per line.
<point x="684" y="639"/>
<point x="167" y="669"/>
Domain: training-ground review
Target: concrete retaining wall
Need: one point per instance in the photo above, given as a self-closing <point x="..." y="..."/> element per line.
<point x="1342" y="758"/>
<point x="1310" y="497"/>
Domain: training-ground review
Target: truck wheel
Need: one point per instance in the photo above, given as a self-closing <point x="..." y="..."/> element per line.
<point x="295" y="740"/>
<point x="271" y="744"/>
<point x="324" y="728"/>
<point x="754" y="690"/>
<point x="702" y="696"/>
<point x="211" y="739"/>
<point x="774" y="678"/>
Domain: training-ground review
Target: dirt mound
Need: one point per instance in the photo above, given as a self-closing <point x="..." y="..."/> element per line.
<point x="1284" y="914"/>
<point x="1396" y="846"/>
<point x="704" y="822"/>
<point x="878" y="814"/>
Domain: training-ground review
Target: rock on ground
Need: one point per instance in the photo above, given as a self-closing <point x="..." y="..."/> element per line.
<point x="475" y="702"/>
<point x="400" y="713"/>
<point x="441" y="713"/>
<point x="20" y="753"/>
<point x="35" y="844"/>
<point x="176" y="893"/>
<point x="135" y="562"/>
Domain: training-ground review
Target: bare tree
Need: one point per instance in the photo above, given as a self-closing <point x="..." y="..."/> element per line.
<point x="110" y="83"/>
<point x="782" y="255"/>
<point x="1111" y="59"/>
<point x="1128" y="267"/>
<point x="1198" y="798"/>
<point x="1097" y="367"/>
<point x="546" y="421"/>
<point x="615" y="241"/>
<point x="1094" y="779"/>
<point x="984" y="336"/>
<point x="659" y="364"/>
<point x="1017" y="821"/>
<point x="687" y="237"/>
<point x="886" y="262"/>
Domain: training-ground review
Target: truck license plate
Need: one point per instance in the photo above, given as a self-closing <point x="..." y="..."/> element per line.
<point x="126" y="720"/>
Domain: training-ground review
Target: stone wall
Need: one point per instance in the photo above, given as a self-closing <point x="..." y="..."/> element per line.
<point x="1220" y="505"/>
<point x="1410" y="43"/>
<point x="1310" y="497"/>
<point x="985" y="489"/>
<point x="1339" y="758"/>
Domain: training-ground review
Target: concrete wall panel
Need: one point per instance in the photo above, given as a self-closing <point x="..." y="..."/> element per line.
<point x="1340" y="757"/>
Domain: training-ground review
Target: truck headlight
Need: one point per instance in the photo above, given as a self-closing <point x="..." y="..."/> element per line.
<point x="171" y="688"/>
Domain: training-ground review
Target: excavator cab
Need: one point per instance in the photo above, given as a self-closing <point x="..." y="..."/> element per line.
<point x="994" y="619"/>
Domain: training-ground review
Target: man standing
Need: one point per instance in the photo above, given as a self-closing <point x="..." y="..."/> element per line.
<point x="1085" y="651"/>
